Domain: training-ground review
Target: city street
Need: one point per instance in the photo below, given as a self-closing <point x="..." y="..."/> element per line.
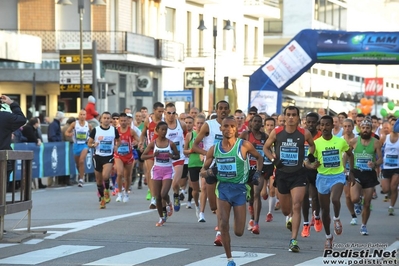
<point x="68" y="228"/>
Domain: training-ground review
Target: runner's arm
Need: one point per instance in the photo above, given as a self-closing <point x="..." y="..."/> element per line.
<point x="203" y="132"/>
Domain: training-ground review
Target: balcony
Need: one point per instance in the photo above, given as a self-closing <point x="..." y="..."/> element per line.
<point x="262" y="8"/>
<point x="273" y="27"/>
<point x="113" y="42"/>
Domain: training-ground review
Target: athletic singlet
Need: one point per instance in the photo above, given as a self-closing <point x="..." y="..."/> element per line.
<point x="176" y="135"/>
<point x="194" y="159"/>
<point x="126" y="142"/>
<point x="232" y="168"/>
<point x="391" y="153"/>
<point x="306" y="146"/>
<point x="106" y="139"/>
<point x="162" y="159"/>
<point x="215" y="135"/>
<point x="289" y="147"/>
<point x="81" y="132"/>
<point x="258" y="145"/>
<point x="364" y="154"/>
<point x="151" y="129"/>
<point x="329" y="154"/>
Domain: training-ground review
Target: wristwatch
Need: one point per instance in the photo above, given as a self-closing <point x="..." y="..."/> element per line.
<point x="272" y="160"/>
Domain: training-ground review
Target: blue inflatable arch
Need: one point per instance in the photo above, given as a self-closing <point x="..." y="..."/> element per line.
<point x="317" y="46"/>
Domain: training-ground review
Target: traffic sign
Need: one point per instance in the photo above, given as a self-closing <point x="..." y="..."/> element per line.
<point x="75" y="88"/>
<point x="73" y="76"/>
<point x="178" y="96"/>
<point x="75" y="59"/>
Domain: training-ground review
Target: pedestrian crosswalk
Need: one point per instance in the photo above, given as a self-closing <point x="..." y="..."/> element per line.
<point x="142" y="256"/>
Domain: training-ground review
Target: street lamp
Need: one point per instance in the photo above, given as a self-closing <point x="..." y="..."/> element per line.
<point x="202" y="27"/>
<point x="81" y="11"/>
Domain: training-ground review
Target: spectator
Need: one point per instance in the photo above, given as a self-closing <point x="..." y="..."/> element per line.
<point x="54" y="134"/>
<point x="18" y="137"/>
<point x="91" y="114"/>
<point x="10" y="121"/>
<point x="252" y="111"/>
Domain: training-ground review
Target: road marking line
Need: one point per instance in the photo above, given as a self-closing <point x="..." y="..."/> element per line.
<point x="136" y="257"/>
<point x="240" y="258"/>
<point x="33" y="242"/>
<point x="43" y="255"/>
<point x="7" y="245"/>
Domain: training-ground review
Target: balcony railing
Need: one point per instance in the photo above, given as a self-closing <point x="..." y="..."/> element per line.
<point x="113" y="42"/>
<point x="273" y="27"/>
<point x="273" y="3"/>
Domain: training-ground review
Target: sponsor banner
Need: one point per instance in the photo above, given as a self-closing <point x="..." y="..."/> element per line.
<point x="373" y="86"/>
<point x="51" y="159"/>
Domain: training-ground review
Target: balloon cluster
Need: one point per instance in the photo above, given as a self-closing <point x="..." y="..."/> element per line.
<point x="391" y="106"/>
<point x="365" y="106"/>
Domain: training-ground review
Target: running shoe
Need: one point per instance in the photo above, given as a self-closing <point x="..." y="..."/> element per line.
<point x="305" y="231"/>
<point x="125" y="198"/>
<point x="386" y="198"/>
<point x="354" y="221"/>
<point x="231" y="263"/>
<point x="294" y="246"/>
<point x="269" y="217"/>
<point x="277" y="207"/>
<point x="119" y="198"/>
<point x="169" y="209"/>
<point x="337" y="227"/>
<point x="102" y="203"/>
<point x="375" y="196"/>
<point x="328" y="243"/>
<point x="188" y="206"/>
<point x="197" y="211"/>
<point x="250" y="225"/>
<point x="265" y="196"/>
<point x="181" y="195"/>
<point x="358" y="208"/>
<point x="106" y="196"/>
<point x="161" y="222"/>
<point x="218" y="240"/>
<point x="176" y="204"/>
<point x="255" y="229"/>
<point x="153" y="204"/>
<point x="318" y="225"/>
<point x="115" y="192"/>
<point x="390" y="211"/>
<point x="251" y="210"/>
<point x="139" y="185"/>
<point x="201" y="218"/>
<point x="288" y="223"/>
<point x="80" y="183"/>
<point x="148" y="197"/>
<point x="363" y="230"/>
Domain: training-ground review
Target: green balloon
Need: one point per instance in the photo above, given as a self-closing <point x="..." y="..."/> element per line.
<point x="391" y="105"/>
<point x="383" y="112"/>
<point x="359" y="111"/>
<point x="396" y="114"/>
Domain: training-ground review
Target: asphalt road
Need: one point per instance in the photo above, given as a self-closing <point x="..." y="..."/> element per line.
<point x="68" y="228"/>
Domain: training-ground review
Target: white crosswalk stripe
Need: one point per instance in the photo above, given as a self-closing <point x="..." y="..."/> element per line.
<point x="43" y="255"/>
<point x="136" y="257"/>
<point x="240" y="258"/>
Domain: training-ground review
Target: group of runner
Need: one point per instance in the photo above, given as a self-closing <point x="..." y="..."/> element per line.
<point x="232" y="160"/>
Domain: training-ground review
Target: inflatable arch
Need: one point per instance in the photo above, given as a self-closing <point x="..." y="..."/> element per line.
<point x="317" y="46"/>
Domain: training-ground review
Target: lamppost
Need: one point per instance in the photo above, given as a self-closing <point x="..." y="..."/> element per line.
<point x="81" y="11"/>
<point x="202" y="27"/>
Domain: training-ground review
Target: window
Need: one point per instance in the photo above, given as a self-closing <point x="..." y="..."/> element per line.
<point x="337" y="75"/>
<point x="330" y="74"/>
<point x="344" y="76"/>
<point x="331" y="12"/>
<point x="350" y="77"/>
<point x="170" y="23"/>
<point x="357" y="79"/>
<point x="314" y="71"/>
<point x="387" y="84"/>
<point x="188" y="33"/>
<point x="323" y="72"/>
<point x="392" y="86"/>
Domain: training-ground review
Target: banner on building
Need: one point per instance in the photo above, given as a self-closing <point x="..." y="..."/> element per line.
<point x="373" y="86"/>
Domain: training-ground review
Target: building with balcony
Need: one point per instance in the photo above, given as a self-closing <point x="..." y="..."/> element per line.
<point x="344" y="85"/>
<point x="142" y="48"/>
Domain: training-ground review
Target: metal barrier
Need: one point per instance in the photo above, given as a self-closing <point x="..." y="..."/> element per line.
<point x="21" y="200"/>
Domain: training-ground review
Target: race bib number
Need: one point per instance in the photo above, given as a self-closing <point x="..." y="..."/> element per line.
<point x="391" y="160"/>
<point x="331" y="158"/>
<point x="81" y="137"/>
<point x="252" y="160"/>
<point x="124" y="149"/>
<point x="289" y="156"/>
<point x="162" y="157"/>
<point x="227" y="167"/>
<point x="306" y="146"/>
<point x="105" y="146"/>
<point x="177" y="143"/>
